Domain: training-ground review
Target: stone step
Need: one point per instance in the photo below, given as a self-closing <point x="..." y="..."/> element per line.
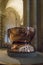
<point x="2" y="63"/>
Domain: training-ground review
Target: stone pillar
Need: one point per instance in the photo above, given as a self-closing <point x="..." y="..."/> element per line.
<point x="39" y="22"/>
<point x="25" y="12"/>
<point x="33" y="19"/>
<point x="0" y="28"/>
<point x="42" y="25"/>
<point x="28" y="7"/>
<point x="32" y="12"/>
<point x="2" y="8"/>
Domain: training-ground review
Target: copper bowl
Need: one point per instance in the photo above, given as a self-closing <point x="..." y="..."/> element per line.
<point x="19" y="34"/>
<point x="20" y="37"/>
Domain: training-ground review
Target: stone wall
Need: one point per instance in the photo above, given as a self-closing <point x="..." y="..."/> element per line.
<point x="41" y="30"/>
<point x="2" y="7"/>
<point x="40" y="24"/>
<point x="0" y="27"/>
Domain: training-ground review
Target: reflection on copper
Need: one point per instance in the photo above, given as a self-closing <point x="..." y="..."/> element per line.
<point x="21" y="39"/>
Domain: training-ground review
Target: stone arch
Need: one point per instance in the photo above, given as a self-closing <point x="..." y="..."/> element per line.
<point x="6" y="18"/>
<point x="11" y="19"/>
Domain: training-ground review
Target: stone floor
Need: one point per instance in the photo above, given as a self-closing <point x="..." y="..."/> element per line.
<point x="5" y="59"/>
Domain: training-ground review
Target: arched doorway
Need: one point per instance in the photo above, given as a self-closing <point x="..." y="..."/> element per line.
<point x="13" y="16"/>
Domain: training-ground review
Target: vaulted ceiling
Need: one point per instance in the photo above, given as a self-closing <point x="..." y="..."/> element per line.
<point x="3" y="4"/>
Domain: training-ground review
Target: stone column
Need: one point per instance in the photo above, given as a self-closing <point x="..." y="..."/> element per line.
<point x="0" y="28"/>
<point x="32" y="13"/>
<point x="33" y="19"/>
<point x="25" y="12"/>
<point x="39" y="22"/>
<point x="2" y="8"/>
<point x="28" y="14"/>
<point x="41" y="25"/>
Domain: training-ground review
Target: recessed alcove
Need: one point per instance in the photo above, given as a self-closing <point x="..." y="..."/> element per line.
<point x="32" y="15"/>
<point x="17" y="13"/>
<point x="12" y="16"/>
<point x="16" y="16"/>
